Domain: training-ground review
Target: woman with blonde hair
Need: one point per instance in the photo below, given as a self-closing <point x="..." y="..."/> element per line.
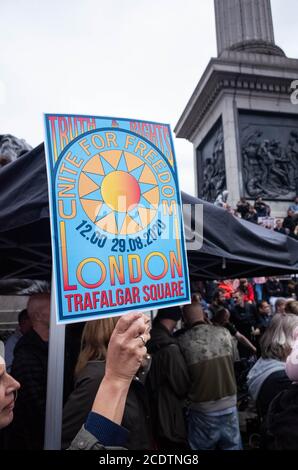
<point x="268" y="376"/>
<point x="89" y="372"/>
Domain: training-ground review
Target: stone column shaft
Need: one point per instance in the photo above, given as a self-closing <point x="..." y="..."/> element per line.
<point x="242" y="21"/>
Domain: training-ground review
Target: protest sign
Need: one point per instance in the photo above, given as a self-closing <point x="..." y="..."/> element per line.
<point x="117" y="231"/>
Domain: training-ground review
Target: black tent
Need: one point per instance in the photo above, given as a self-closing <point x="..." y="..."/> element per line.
<point x="230" y="247"/>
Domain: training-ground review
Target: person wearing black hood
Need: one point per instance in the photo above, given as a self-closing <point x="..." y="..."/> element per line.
<point x="168" y="381"/>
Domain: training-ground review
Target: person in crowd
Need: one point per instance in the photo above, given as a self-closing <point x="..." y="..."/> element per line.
<point x="208" y="351"/>
<point x="280" y="306"/>
<point x="102" y="429"/>
<point x="289" y="223"/>
<point x="211" y="287"/>
<point x="29" y="368"/>
<point x="196" y="297"/>
<point x="222" y="318"/>
<point x="244" y="317"/>
<point x="281" y="424"/>
<point x="168" y="381"/>
<point x="291" y="307"/>
<point x="294" y="206"/>
<point x="264" y="316"/>
<point x="8" y="389"/>
<point x="292" y="290"/>
<point x="218" y="302"/>
<point x="199" y="287"/>
<point x="292" y="359"/>
<point x="243" y="207"/>
<point x="89" y="372"/>
<point x="268" y="376"/>
<point x="273" y="289"/>
<point x="202" y="301"/>
<point x="247" y="290"/>
<point x="279" y="227"/>
<point x="222" y="200"/>
<point x="24" y="326"/>
<point x="262" y="209"/>
<point x="258" y="285"/>
<point x="227" y="286"/>
<point x="252" y="215"/>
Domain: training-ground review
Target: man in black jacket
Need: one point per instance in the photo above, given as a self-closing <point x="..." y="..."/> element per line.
<point x="273" y="289"/>
<point x="168" y="381"/>
<point x="289" y="222"/>
<point x="244" y="317"/>
<point x="30" y="369"/>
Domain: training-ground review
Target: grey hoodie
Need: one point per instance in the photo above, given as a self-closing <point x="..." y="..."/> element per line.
<point x="259" y="373"/>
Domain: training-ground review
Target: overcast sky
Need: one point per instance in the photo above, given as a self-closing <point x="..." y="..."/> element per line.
<point x="125" y="58"/>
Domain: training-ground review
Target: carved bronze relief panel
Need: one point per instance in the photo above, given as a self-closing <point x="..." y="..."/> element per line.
<point x="269" y="154"/>
<point x="211" y="170"/>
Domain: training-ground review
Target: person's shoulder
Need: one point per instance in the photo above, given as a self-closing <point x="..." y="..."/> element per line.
<point x="198" y="331"/>
<point x="160" y="339"/>
<point x="179" y="333"/>
<point x="172" y="349"/>
<point x="93" y="370"/>
<point x="24" y="342"/>
<point x="220" y="330"/>
<point x="29" y="343"/>
<point x="182" y="335"/>
<point x="12" y="340"/>
<point x="279" y="376"/>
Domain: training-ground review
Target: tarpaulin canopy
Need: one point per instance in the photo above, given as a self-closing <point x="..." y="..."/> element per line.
<point x="230" y="247"/>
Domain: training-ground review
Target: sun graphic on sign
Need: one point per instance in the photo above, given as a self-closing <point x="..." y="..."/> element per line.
<point x="118" y="192"/>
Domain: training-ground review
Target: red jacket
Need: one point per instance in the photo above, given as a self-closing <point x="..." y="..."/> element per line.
<point x="250" y="296"/>
<point x="228" y="288"/>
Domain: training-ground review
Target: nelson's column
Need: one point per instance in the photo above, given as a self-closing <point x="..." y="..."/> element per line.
<point x="240" y="119"/>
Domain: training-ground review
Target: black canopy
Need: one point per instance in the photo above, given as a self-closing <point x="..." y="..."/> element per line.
<point x="230" y="247"/>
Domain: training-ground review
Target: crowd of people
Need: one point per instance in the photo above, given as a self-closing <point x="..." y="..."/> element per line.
<point x="259" y="212"/>
<point x="184" y="394"/>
